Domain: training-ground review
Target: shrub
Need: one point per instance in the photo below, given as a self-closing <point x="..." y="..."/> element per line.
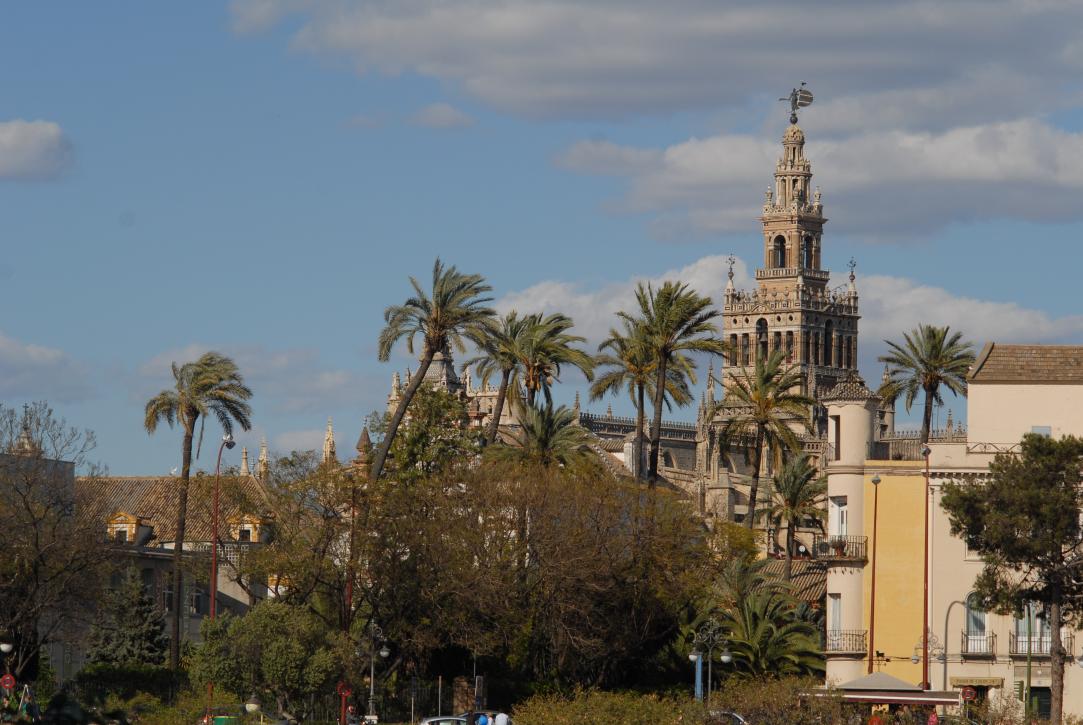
<point x="95" y="683"/>
<point x="606" y="708"/>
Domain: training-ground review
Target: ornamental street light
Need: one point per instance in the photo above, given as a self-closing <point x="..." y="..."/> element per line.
<point x="227" y="442"/>
<point x="872" y="596"/>
<point x="377" y="636"/>
<point x="925" y="452"/>
<point x="708" y="637"/>
<point x="696" y="658"/>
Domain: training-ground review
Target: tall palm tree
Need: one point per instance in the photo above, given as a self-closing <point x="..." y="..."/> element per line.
<point x="455" y="308"/>
<point x="762" y="405"/>
<point x="799" y="496"/>
<point x="676" y="320"/>
<point x="546" y="436"/>
<point x="929" y="357"/>
<point x="631" y="367"/>
<point x="544" y="347"/>
<point x="499" y="344"/>
<point x="211" y="386"/>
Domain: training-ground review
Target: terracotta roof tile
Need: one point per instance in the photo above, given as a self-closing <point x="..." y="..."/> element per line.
<point x="809" y="578"/>
<point x="1037" y="364"/>
<point x="154" y="500"/>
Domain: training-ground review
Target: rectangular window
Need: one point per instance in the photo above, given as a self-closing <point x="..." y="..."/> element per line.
<point x="834" y="611"/>
<point x="121" y="535"/>
<point x="733" y="345"/>
<point x="789" y="347"/>
<point x="1042" y="430"/>
<point x="777" y="342"/>
<point x="745" y="352"/>
<point x="838" y="522"/>
<point x="244" y="534"/>
<point x="836" y="437"/>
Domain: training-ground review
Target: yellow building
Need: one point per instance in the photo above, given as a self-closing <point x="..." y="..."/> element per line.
<point x="876" y="491"/>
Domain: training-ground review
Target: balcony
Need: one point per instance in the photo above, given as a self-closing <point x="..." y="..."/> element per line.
<point x="839" y="548"/>
<point x="979" y="646"/>
<point x="846" y="642"/>
<point x="1040" y="644"/>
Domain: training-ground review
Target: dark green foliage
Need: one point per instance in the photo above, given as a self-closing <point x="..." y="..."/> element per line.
<point x="130" y="629"/>
<point x="1024" y="521"/>
<point x="434" y="436"/>
<point x="276" y="650"/>
<point x="95" y="683"/>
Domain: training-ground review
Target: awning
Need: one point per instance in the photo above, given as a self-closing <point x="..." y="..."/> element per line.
<point x="890" y="697"/>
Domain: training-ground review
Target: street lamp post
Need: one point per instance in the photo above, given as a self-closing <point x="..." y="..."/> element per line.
<point x="709" y="636"/>
<point x="377" y="636"/>
<point x="227" y="442"/>
<point x="926" y="452"/>
<point x="872" y="595"/>
<point x="7" y="647"/>
<point x="697" y="659"/>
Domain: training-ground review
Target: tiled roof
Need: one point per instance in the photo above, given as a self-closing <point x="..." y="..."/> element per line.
<point x="809" y="578"/>
<point x="851" y="388"/>
<point x="1038" y="364"/>
<point x="154" y="500"/>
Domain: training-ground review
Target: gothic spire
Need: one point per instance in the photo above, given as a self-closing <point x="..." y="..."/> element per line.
<point x="245" y="470"/>
<point x="329" y="455"/>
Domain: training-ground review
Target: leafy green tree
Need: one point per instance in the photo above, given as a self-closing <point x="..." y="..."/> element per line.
<point x="799" y="495"/>
<point x="436" y="436"/>
<point x="547" y="437"/>
<point x="762" y="404"/>
<point x="281" y="651"/>
<point x="130" y="628"/>
<point x="544" y="347"/>
<point x="209" y="386"/>
<point x="1024" y="521"/>
<point x="675" y="320"/>
<point x="630" y="366"/>
<point x="454" y="308"/>
<point x="499" y="344"/>
<point x="928" y="358"/>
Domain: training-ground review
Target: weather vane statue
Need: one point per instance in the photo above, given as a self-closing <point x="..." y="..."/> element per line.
<point x="798" y="98"/>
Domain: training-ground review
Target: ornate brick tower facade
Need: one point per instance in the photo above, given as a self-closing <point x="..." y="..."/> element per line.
<point x="792" y="308"/>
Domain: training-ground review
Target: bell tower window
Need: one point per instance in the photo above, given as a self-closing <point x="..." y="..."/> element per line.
<point x="761" y="339"/>
<point x="828" y="343"/>
<point x="808" y="262"/>
<point x="778" y="252"/>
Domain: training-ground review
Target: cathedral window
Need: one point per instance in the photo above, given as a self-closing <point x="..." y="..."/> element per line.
<point x="808" y="252"/>
<point x="733" y="350"/>
<point x="789" y="347"/>
<point x="744" y="350"/>
<point x="761" y="339"/>
<point x="828" y="343"/>
<point x="815" y="348"/>
<point x="779" y="252"/>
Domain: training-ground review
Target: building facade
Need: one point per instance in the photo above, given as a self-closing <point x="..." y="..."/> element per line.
<point x="1013" y="390"/>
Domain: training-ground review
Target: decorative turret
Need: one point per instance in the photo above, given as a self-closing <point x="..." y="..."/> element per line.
<point x="245" y="470"/>
<point x="364" y="451"/>
<point x="263" y="465"/>
<point x="329" y="455"/>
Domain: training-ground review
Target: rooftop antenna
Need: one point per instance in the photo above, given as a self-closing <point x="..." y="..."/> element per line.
<point x="799" y="98"/>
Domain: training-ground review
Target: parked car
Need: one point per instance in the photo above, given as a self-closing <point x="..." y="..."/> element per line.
<point x="444" y="720"/>
<point x="725" y="717"/>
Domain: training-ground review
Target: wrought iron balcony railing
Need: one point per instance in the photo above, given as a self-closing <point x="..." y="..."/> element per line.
<point x="979" y="645"/>
<point x="840" y="548"/>
<point x="1039" y="644"/>
<point x="846" y="641"/>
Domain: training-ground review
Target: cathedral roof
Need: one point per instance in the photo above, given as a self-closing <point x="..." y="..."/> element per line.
<point x="850" y="388"/>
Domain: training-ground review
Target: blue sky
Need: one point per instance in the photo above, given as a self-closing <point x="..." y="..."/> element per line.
<point x="261" y="177"/>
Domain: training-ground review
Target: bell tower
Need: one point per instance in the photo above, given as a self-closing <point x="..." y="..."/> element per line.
<point x="792" y="307"/>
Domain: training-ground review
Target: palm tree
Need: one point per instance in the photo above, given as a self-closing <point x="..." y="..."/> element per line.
<point x="546" y="437"/>
<point x="929" y="357"/>
<point x="762" y="403"/>
<point x="499" y="344"/>
<point x="631" y="367"/>
<point x="676" y="320"/>
<point x="544" y="346"/>
<point x="209" y="386"/>
<point x="798" y="496"/>
<point x="456" y="308"/>
<point x="767" y="637"/>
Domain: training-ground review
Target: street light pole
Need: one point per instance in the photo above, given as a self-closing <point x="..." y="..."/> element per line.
<point x="227" y="442"/>
<point x="926" y="452"/>
<point x="872" y="596"/>
<point x="377" y="636"/>
<point x="709" y="636"/>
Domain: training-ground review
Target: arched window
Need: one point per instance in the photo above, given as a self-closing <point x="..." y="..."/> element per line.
<point x="815" y="348"/>
<point x="761" y="339"/>
<point x="808" y="252"/>
<point x="975" y="617"/>
<point x="745" y="354"/>
<point x="789" y="347"/>
<point x="734" y="356"/>
<point x="828" y="342"/>
<point x="778" y="252"/>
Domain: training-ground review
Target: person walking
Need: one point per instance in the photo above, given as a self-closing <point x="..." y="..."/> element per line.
<point x="502" y="719"/>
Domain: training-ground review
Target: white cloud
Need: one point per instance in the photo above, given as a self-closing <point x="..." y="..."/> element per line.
<point x="34" y="371"/>
<point x="33" y="150"/>
<point x="290" y="381"/>
<point x="607" y="58"/>
<point x="879" y="184"/>
<point x="441" y="115"/>
<point x="889" y="306"/>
